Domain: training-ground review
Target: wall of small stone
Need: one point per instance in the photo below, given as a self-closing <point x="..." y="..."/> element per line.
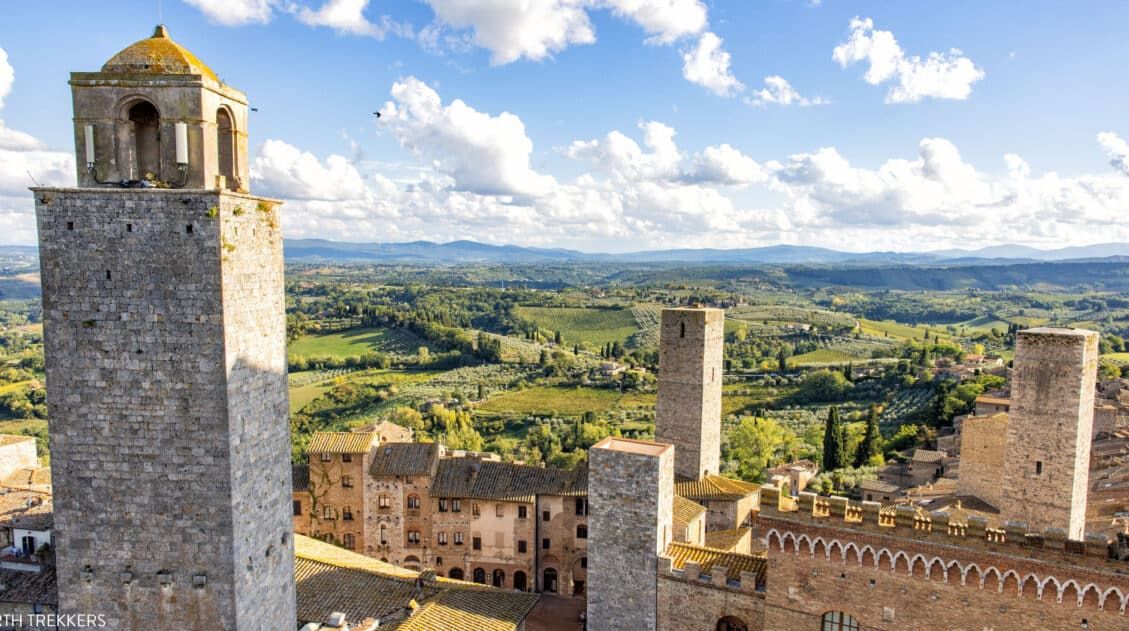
<point x="686" y="604"/>
<point x="327" y="489"/>
<point x="165" y="351"/>
<point x="983" y="443"/>
<point x="688" y="406"/>
<point x="16" y="453"/>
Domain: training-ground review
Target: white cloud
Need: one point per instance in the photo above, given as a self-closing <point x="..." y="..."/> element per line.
<point x="515" y="29"/>
<point x="235" y="12"/>
<point x="1117" y="150"/>
<point x="778" y="91"/>
<point x="940" y="75"/>
<point x="623" y="158"/>
<point x="728" y="166"/>
<point x="666" y="20"/>
<point x="347" y="17"/>
<point x="482" y="153"/>
<point x="707" y="65"/>
<point x="23" y="157"/>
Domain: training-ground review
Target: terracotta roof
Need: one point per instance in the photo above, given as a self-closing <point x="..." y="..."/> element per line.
<point x="341" y="442"/>
<point x="993" y="400"/>
<point x="20" y="505"/>
<point x="715" y="487"/>
<point x="331" y="579"/>
<point x="686" y="511"/>
<point x="300" y="474"/>
<point x="927" y="455"/>
<point x="31" y="588"/>
<point x="29" y="478"/>
<point x="474" y="478"/>
<point x="40" y="517"/>
<point x="158" y="54"/>
<point x="879" y="486"/>
<point x="404" y="459"/>
<point x="682" y="553"/>
<point x="726" y="539"/>
<point x="11" y="439"/>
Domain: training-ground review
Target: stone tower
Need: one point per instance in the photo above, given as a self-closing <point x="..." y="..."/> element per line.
<point x="165" y="347"/>
<point x="1047" y="462"/>
<point x="631" y="496"/>
<point x="688" y="409"/>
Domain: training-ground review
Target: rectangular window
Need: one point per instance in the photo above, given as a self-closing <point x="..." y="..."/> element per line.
<point x="521" y="510"/>
<point x="458" y="538"/>
<point x="347" y="481"/>
<point x="70" y="225"/>
<point x="413" y="536"/>
<point x="385" y="501"/>
<point x="413" y="501"/>
<point x="347" y="513"/>
<point x="500" y="510"/>
<point x="581" y="506"/>
<point x="346" y="457"/>
<point x="188" y="228"/>
<point x="129" y="227"/>
<point x="476" y="543"/>
<point x="1038" y="467"/>
<point x="456" y="506"/>
<point x="521" y="547"/>
<point x="584" y="562"/>
<point x="327" y="457"/>
<point x="474" y="509"/>
<point x="544" y="544"/>
<point x="297" y="508"/>
<point x="442" y="505"/>
<point x="544" y="515"/>
<point x="441" y="538"/>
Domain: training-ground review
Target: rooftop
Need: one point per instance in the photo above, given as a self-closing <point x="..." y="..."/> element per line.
<point x="29" y="479"/>
<point x="686" y="511"/>
<point x="629" y="445"/>
<point x="404" y="459"/>
<point x="715" y="487"/>
<point x="157" y="54"/>
<point x="11" y="439"/>
<point x="300" y="477"/>
<point x="734" y="563"/>
<point x="341" y="442"/>
<point x="726" y="539"/>
<point x="29" y="588"/>
<point x="474" y="478"/>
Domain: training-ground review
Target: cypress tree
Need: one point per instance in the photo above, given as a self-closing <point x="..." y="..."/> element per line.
<point x="832" y="441"/>
<point x="869" y="445"/>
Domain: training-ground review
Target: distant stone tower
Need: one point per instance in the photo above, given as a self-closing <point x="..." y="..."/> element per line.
<point x="688" y="409"/>
<point x="165" y="347"/>
<point x="631" y="496"/>
<point x="1046" y="468"/>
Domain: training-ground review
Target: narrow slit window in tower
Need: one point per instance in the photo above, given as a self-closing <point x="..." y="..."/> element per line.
<point x="225" y="143"/>
<point x="145" y="131"/>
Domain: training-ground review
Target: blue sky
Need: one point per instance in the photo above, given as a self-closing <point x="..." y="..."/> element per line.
<point x="887" y="126"/>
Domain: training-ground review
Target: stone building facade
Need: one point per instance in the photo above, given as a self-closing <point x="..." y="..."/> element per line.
<point x="983" y="442"/>
<point x="1050" y="429"/>
<point x="336" y="507"/>
<point x="165" y="349"/>
<point x="688" y="407"/>
<point x="16" y="452"/>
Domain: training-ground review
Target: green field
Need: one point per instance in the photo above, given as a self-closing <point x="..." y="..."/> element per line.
<point x="19" y="425"/>
<point x="552" y="401"/>
<point x="578" y="325"/>
<point x="356" y="342"/>
<point x="1120" y="358"/>
<point x="903" y="331"/>
<point x="822" y="356"/>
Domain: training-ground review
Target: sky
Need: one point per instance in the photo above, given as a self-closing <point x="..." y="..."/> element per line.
<point x="624" y="125"/>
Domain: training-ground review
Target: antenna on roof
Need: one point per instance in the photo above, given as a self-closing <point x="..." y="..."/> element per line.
<point x="37" y="185"/>
<point x="160" y="13"/>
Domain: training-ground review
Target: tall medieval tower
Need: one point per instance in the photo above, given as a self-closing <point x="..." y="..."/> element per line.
<point x="1047" y="462"/>
<point x="165" y="347"/>
<point x="688" y="409"/>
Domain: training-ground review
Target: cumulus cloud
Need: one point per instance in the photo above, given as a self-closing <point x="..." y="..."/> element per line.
<point x="726" y="165"/>
<point x="516" y="29"/>
<point x="939" y="75"/>
<point x="622" y="158"/>
<point x="777" y="91"/>
<point x="22" y="156"/>
<point x="1117" y="150"/>
<point x="666" y="20"/>
<point x="482" y="153"/>
<point x="707" y="65"/>
<point x="235" y="12"/>
<point x="347" y="17"/>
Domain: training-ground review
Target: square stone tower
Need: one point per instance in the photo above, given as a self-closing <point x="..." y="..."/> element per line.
<point x="165" y="345"/>
<point x="688" y="409"/>
<point x="631" y="496"/>
<point x="1049" y="430"/>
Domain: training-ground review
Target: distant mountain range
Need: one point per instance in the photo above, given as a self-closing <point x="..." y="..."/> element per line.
<point x="456" y="252"/>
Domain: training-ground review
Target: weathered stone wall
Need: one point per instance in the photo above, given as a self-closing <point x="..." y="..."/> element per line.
<point x="983" y="443"/>
<point x="566" y="551"/>
<point x="689" y="604"/>
<point x="688" y="407"/>
<point x="631" y="493"/>
<point x="165" y="350"/>
<point x="1046" y="470"/>
<point x="348" y="509"/>
<point x="16" y="452"/>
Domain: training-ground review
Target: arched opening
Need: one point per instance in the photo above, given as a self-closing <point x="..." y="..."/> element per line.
<point x="839" y="621"/>
<point x="145" y="141"/>
<point x="730" y="623"/>
<point x="520" y="581"/>
<point x="549" y="581"/>
<point x="411" y="562"/>
<point x="479" y="575"/>
<point x="499" y="578"/>
<point x="456" y="573"/>
<point x="225" y="145"/>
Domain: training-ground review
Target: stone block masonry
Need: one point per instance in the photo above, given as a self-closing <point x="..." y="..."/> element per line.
<point x="631" y="495"/>
<point x="165" y="349"/>
<point x="688" y="407"/>
<point x="1046" y="469"/>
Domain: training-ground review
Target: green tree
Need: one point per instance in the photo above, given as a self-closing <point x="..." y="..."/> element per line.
<point x="834" y="441"/>
<point x="868" y="448"/>
<point x="755" y="444"/>
<point x="405" y="416"/>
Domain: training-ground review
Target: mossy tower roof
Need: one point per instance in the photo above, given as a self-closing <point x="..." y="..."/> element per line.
<point x="157" y="55"/>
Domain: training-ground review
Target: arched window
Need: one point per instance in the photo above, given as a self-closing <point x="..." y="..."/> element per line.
<point x="225" y="144"/>
<point x="413" y="502"/>
<point x="519" y="580"/>
<point x="479" y="575"/>
<point x="456" y="573"/>
<point x="499" y="578"/>
<point x="329" y="512"/>
<point x="549" y="581"/>
<point x="839" y="621"/>
<point x="582" y="531"/>
<point x="411" y="562"/>
<point x="145" y="140"/>
<point x="729" y="623"/>
<point x="349" y="540"/>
